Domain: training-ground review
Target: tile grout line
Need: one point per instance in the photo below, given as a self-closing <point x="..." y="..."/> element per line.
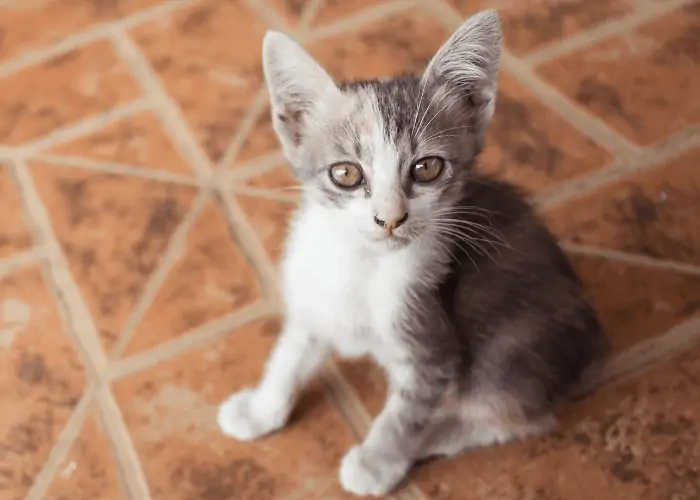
<point x="84" y="126"/>
<point x="169" y="112"/>
<point x="356" y="21"/>
<point x="244" y="129"/>
<point x="18" y="261"/>
<point x="283" y="195"/>
<point x="91" y="35"/>
<point x="62" y="446"/>
<point x="606" y="29"/>
<point x="171" y="255"/>
<point x="630" y="258"/>
<point x="641" y="356"/>
<point x="249" y="243"/>
<point x="253" y="168"/>
<point x="586" y="123"/>
<point x="198" y="337"/>
<point x="72" y="306"/>
<point x="256" y="109"/>
<point x="114" y="168"/>
<point x="125" y="454"/>
<point x="649" y="159"/>
<point x="270" y="16"/>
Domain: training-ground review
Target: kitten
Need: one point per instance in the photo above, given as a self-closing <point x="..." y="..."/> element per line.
<point x="402" y="251"/>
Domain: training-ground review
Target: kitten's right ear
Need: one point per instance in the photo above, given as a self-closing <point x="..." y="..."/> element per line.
<point x="298" y="88"/>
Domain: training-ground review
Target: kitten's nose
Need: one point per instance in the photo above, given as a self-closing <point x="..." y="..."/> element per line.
<point x="392" y="223"/>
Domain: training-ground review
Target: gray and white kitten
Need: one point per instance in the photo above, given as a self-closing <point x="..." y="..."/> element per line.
<point x="402" y="251"/>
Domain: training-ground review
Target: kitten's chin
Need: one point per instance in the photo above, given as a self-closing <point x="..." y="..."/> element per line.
<point x="394" y="242"/>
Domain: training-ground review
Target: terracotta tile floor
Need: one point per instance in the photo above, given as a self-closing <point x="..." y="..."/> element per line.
<point x="143" y="203"/>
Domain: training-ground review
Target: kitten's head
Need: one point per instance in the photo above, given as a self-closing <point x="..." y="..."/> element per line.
<point x="390" y="157"/>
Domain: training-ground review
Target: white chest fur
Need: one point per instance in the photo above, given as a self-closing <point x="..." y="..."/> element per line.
<point x="346" y="291"/>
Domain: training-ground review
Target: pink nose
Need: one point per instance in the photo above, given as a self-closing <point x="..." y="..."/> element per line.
<point x="391" y="224"/>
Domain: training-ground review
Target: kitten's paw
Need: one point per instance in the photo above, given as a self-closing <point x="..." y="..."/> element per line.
<point x="365" y="473"/>
<point x="243" y="417"/>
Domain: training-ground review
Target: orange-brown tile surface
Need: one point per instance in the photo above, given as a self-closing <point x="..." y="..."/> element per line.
<point x="14" y="234"/>
<point x="88" y="470"/>
<point x="41" y="378"/>
<point x="125" y="274"/>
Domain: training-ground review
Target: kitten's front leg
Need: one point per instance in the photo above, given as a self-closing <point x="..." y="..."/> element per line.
<point x="390" y="448"/>
<point x="252" y="413"/>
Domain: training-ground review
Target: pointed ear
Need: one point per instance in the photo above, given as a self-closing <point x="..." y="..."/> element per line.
<point x="466" y="66"/>
<point x="298" y="88"/>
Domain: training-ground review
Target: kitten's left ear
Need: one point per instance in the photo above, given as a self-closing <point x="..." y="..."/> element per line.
<point x="466" y="66"/>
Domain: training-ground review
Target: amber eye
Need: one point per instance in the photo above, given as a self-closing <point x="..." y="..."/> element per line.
<point x="427" y="169"/>
<point x="346" y="175"/>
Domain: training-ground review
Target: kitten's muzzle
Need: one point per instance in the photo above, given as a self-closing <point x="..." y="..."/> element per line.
<point x="391" y="224"/>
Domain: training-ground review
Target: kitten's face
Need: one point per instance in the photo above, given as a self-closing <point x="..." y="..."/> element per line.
<point x="390" y="158"/>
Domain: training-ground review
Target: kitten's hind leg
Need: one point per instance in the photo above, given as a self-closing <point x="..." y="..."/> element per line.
<point x="453" y="432"/>
<point x="252" y="413"/>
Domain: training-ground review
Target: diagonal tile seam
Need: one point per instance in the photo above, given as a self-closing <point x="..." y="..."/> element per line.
<point x="76" y="316"/>
<point x="64" y="442"/>
<point x="90" y="35"/>
<point x="181" y="135"/>
<point x="125" y="455"/>
<point x="252" y="115"/>
<point x="281" y="194"/>
<point x="252" y="168"/>
<point x="114" y="168"/>
<point x="644" y="12"/>
<point x="344" y="398"/>
<point x="249" y="243"/>
<point x="171" y="255"/>
<point x="74" y="312"/>
<point x="19" y="261"/>
<point x="255" y="111"/>
<point x="267" y="14"/>
<point x="235" y="216"/>
<point x="358" y="20"/>
<point x="638" y="358"/>
<point x="588" y="124"/>
<point x="630" y="258"/>
<point x="168" y="111"/>
<point x="193" y="339"/>
<point x="649" y="158"/>
<point x="84" y="126"/>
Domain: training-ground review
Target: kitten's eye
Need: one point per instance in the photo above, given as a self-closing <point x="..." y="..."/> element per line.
<point x="427" y="169"/>
<point x="346" y="175"/>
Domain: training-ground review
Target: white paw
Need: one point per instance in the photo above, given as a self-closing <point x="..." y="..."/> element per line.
<point x="365" y="473"/>
<point x="243" y="417"/>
